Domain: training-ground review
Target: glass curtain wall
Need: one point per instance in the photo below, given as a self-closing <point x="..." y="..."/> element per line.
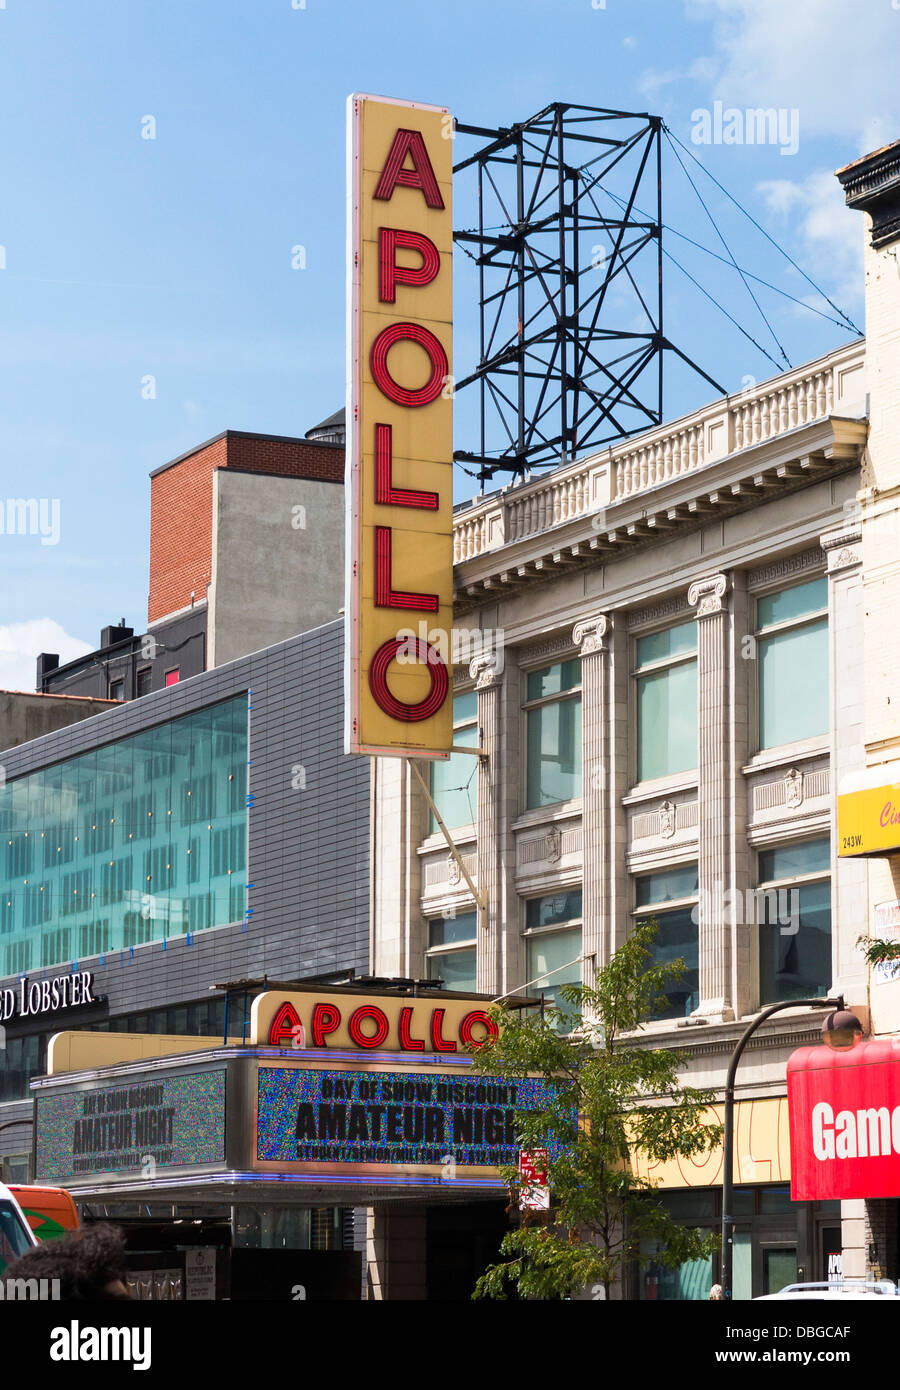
<point x="139" y="840"/>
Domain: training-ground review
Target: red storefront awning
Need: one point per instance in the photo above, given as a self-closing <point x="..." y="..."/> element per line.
<point x="844" y="1110"/>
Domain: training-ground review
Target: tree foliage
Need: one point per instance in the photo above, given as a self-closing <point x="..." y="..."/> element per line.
<point x="610" y="1093"/>
<point x="878" y="952"/>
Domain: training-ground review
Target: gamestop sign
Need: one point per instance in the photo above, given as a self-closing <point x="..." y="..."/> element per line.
<point x="845" y="1121"/>
<point x="399" y="429"/>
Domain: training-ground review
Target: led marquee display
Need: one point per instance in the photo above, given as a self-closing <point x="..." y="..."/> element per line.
<point x="418" y="1119"/>
<point x="139" y="1126"/>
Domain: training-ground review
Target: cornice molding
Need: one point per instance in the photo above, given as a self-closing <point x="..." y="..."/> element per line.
<point x="667" y="608"/>
<point x="787" y="567"/>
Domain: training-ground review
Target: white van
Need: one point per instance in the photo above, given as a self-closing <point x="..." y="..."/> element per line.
<point x="16" y="1236"/>
<point x="835" y="1289"/>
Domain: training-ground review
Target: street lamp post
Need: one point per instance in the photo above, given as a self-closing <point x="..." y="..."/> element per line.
<point x="728" y="1136"/>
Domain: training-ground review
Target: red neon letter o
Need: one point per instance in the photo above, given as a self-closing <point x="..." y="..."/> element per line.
<point x="413" y="333"/>
<point x="440" y="681"/>
<point x="383" y="1027"/>
<point x="465" y="1028"/>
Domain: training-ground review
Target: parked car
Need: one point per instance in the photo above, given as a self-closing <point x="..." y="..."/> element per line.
<point x="835" y="1289"/>
<point x="16" y="1236"/>
<point x="50" y="1211"/>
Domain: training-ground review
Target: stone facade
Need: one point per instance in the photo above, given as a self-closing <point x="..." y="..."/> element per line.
<point x="564" y="571"/>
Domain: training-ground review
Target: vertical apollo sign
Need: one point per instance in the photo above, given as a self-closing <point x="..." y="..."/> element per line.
<point x="399" y="429"/>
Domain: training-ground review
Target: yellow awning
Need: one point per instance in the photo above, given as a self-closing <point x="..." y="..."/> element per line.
<point x="868" y="808"/>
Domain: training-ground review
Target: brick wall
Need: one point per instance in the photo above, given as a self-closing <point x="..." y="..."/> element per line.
<point x="286" y="458"/>
<point x="181" y="514"/>
<point x="181" y="529"/>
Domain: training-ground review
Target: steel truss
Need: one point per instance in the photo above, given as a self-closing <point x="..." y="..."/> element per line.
<point x="570" y="285"/>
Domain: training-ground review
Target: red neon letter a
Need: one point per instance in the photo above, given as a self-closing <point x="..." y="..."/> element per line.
<point x="281" y="1030"/>
<point x="421" y="175"/>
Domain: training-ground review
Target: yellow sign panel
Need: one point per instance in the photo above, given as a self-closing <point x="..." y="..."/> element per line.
<point x="74" y="1051"/>
<point x="869" y="821"/>
<point x="399" y="486"/>
<point x="762" y="1150"/>
<point x="369" y="1023"/>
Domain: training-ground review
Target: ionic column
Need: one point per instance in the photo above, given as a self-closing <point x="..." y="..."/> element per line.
<point x="713" y="794"/>
<point x="592" y="635"/>
<point x="487" y="672"/>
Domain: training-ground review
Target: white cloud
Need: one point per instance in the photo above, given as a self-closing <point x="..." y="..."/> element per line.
<point x="834" y="61"/>
<point x="832" y="239"/>
<point x="21" y="643"/>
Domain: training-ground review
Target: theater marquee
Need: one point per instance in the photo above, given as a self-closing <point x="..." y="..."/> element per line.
<point x="399" y="428"/>
<point x="369" y="1122"/>
<point x="372" y="1023"/>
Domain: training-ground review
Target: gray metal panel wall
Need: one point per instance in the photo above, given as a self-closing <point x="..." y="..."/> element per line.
<point x="308" y="847"/>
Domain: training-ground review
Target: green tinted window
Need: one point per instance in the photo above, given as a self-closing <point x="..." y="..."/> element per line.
<point x="667" y="721"/>
<point x="789" y="861"/>
<point x="556" y="907"/>
<point x="795" y="943"/>
<point x="137" y="841"/>
<point x="554" y="752"/>
<point x="554" y="959"/>
<point x="553" y="680"/>
<point x="672" y="641"/>
<point x="792" y="603"/>
<point x="668" y="887"/>
<point x="455" y="968"/>
<point x="450" y="931"/>
<point x="793" y="684"/>
<point x="454" y="780"/>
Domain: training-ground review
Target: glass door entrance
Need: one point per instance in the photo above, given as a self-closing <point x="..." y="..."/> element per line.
<point x="779" y="1267"/>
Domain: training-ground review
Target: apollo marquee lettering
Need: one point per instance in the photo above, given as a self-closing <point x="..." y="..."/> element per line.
<point x="38" y="997"/>
<point x="399" y="418"/>
<point x="411" y="1113"/>
<point x="370" y="1028"/>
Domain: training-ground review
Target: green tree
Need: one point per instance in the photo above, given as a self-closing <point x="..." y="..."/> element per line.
<point x="609" y="1093"/>
<point x="877" y="951"/>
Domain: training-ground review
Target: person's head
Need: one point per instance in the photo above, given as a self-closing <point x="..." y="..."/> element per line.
<point x="89" y="1264"/>
<point x="716" y="1293"/>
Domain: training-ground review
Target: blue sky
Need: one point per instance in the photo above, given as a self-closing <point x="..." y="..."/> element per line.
<point x="128" y="257"/>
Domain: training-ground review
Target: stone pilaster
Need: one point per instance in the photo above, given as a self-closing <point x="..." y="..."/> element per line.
<point x="487" y="672"/>
<point x="592" y="636"/>
<point x="744" y="670"/>
<point x="714" y="794"/>
<point x="846" y="627"/>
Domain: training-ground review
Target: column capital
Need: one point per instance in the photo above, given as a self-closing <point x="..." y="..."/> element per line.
<point x="842" y="546"/>
<point x="486" y="669"/>
<point x="590" y="634"/>
<point x="707" y="595"/>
